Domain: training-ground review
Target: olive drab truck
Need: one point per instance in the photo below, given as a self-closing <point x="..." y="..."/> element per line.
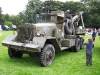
<point x="51" y="32"/>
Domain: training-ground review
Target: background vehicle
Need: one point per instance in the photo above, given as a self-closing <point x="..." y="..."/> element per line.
<point x="14" y="27"/>
<point x="50" y="33"/>
<point x="5" y="27"/>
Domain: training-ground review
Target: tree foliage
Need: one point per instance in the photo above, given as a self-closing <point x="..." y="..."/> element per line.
<point x="16" y="20"/>
<point x="49" y="6"/>
<point x="12" y="19"/>
<point x="8" y="23"/>
<point x="34" y="7"/>
<point x="92" y="16"/>
<point x="6" y="17"/>
<point x="1" y="19"/>
<point x="31" y="9"/>
<point x="73" y="7"/>
<point x="90" y="7"/>
<point x="22" y="17"/>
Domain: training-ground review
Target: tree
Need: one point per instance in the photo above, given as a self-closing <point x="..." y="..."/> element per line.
<point x="74" y="7"/>
<point x="1" y="19"/>
<point x="51" y="5"/>
<point x="31" y="9"/>
<point x="88" y="1"/>
<point x="8" y="23"/>
<point x="6" y="17"/>
<point x="90" y="8"/>
<point x="16" y="20"/>
<point x="22" y="16"/>
<point x="92" y="17"/>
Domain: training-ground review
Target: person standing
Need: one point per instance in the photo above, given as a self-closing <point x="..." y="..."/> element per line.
<point x="99" y="33"/>
<point x="93" y="35"/>
<point x="89" y="46"/>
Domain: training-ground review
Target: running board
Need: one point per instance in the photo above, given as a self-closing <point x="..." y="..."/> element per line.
<point x="63" y="48"/>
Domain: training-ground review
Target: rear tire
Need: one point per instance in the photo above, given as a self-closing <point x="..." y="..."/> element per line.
<point x="14" y="54"/>
<point x="77" y="45"/>
<point x="81" y="43"/>
<point x="47" y="55"/>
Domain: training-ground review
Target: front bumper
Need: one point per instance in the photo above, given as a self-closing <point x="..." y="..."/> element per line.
<point x="20" y="46"/>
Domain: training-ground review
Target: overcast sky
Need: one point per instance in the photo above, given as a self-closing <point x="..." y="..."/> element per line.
<point x="13" y="7"/>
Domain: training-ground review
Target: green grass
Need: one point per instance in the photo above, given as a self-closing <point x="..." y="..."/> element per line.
<point x="65" y="62"/>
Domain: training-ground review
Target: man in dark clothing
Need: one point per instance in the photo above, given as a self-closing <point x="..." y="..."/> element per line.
<point x="93" y="35"/>
<point x="89" y="46"/>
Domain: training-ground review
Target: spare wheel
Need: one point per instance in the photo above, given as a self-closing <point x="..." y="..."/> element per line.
<point x="68" y="27"/>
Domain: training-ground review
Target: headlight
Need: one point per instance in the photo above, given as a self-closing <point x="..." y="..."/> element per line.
<point x="41" y="34"/>
<point x="38" y="34"/>
<point x="32" y="42"/>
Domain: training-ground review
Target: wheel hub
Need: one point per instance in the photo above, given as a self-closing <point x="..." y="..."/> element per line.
<point x="48" y="55"/>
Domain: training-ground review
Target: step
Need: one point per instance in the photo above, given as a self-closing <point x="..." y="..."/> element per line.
<point x="69" y="36"/>
<point x="63" y="48"/>
<point x="68" y="42"/>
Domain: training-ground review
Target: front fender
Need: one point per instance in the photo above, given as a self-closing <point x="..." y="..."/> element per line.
<point x="43" y="40"/>
<point x="40" y="41"/>
<point x="31" y="47"/>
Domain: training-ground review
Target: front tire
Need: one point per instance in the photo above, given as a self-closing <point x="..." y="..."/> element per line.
<point x="14" y="54"/>
<point x="47" y="55"/>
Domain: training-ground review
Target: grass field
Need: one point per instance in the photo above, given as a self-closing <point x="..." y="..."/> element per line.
<point x="65" y="62"/>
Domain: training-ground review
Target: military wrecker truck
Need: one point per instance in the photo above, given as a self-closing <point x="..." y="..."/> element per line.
<point x="51" y="32"/>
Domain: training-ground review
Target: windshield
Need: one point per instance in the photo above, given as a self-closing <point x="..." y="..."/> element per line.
<point x="45" y="18"/>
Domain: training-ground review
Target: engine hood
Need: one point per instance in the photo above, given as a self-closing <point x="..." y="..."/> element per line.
<point x="45" y="28"/>
<point x="45" y="24"/>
